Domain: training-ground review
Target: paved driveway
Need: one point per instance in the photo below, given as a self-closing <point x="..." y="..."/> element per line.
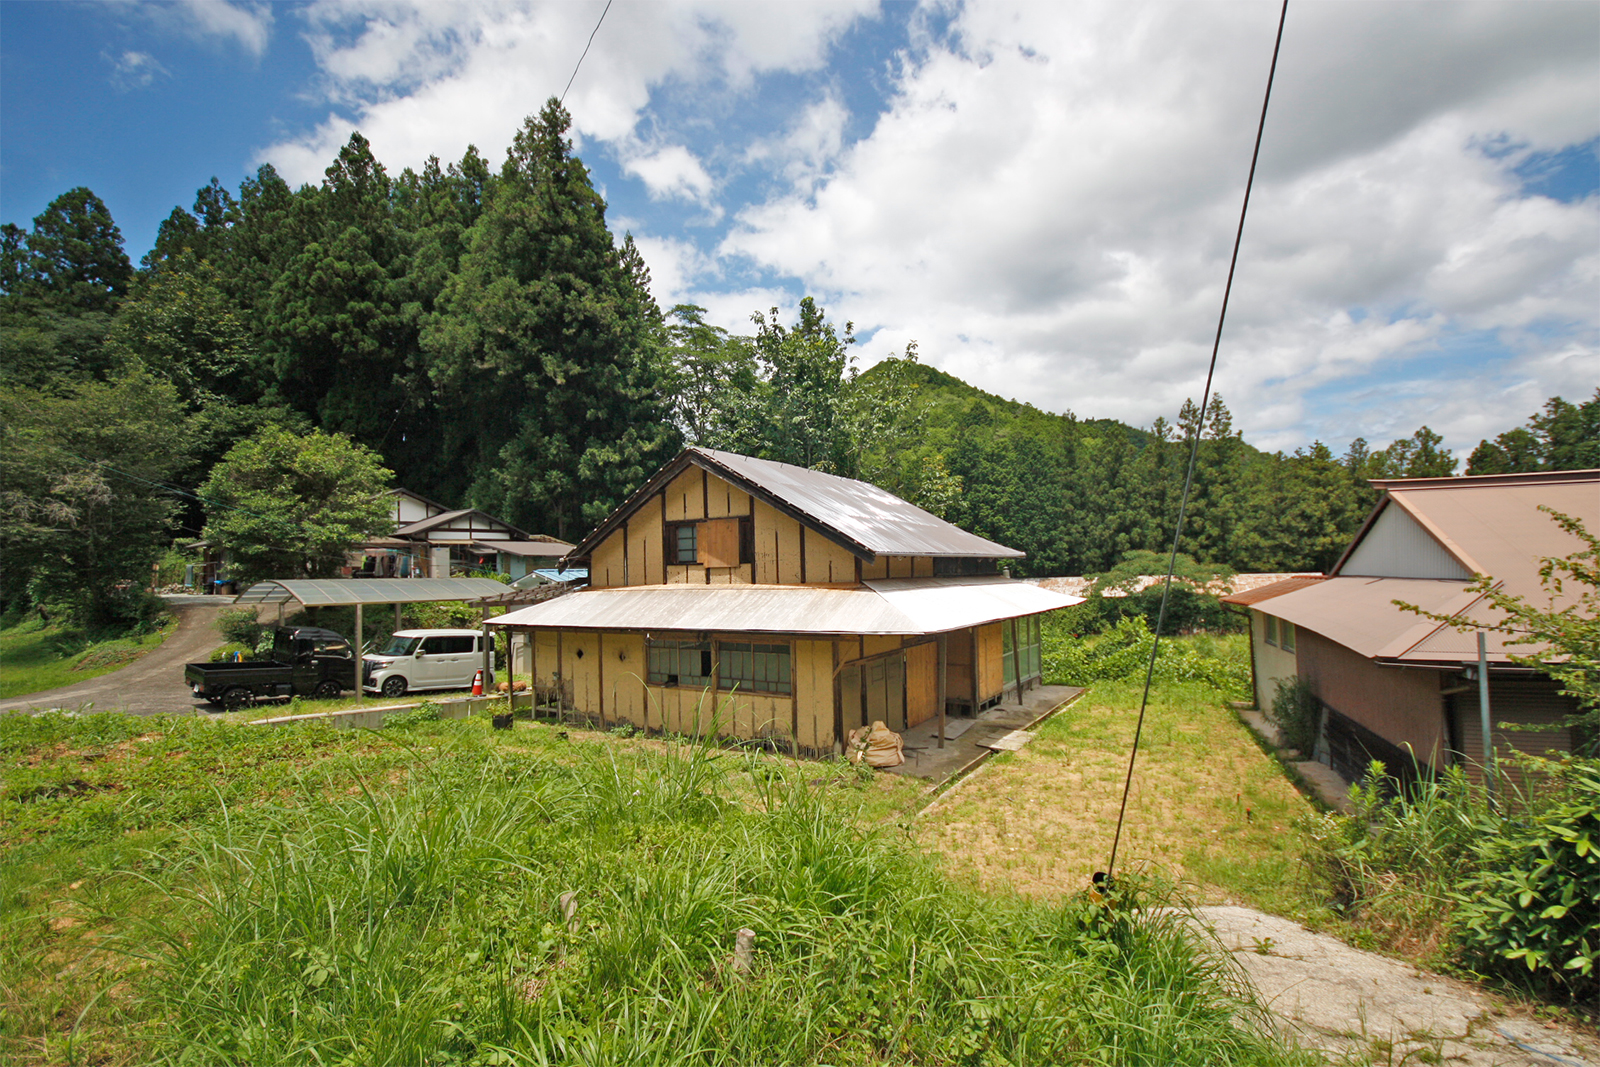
<point x="153" y="684"/>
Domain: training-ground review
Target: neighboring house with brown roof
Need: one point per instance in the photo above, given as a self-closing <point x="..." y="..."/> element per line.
<point x="1393" y="684"/>
<point x="431" y="540"/>
<point x="781" y="602"/>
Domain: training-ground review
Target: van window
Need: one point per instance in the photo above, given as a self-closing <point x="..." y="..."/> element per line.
<point x="448" y="646"/>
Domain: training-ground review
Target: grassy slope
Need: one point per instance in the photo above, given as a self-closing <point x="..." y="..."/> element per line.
<point x="1207" y="808"/>
<point x="400" y="888"/>
<point x="32" y="658"/>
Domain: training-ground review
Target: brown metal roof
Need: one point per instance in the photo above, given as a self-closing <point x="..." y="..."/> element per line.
<point x="891" y="606"/>
<point x="1360" y="613"/>
<point x="1492" y="524"/>
<point x="1256" y="594"/>
<point x="867" y="521"/>
<point x="524" y="548"/>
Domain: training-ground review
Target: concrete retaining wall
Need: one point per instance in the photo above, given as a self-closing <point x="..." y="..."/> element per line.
<point x="373" y="718"/>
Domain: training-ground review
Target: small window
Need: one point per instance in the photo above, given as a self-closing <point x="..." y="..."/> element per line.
<point x="1286" y="638"/>
<point x="683" y="542"/>
<point x="1269" y="628"/>
<point x="747" y="541"/>
<point x="754" y="668"/>
<point x="685" y="663"/>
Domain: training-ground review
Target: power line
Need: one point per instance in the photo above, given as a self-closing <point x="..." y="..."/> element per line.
<point x="592" y="32"/>
<point x="1194" y="449"/>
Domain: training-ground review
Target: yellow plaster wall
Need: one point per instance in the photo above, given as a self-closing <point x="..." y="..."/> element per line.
<point x="686" y="495"/>
<point x="625" y="668"/>
<point x="777" y="546"/>
<point x="827" y="563"/>
<point x="644" y="545"/>
<point x="605" y="563"/>
<point x="812" y="670"/>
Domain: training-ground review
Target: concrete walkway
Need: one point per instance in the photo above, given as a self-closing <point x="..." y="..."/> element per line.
<point x="152" y="684"/>
<point x="966" y="740"/>
<point x="1360" y="1007"/>
<point x="1325" y="782"/>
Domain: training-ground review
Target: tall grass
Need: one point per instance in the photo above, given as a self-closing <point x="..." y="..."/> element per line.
<point x="420" y="925"/>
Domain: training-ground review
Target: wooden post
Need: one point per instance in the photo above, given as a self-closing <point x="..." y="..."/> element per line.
<point x="557" y="677"/>
<point x="975" y="665"/>
<point x="943" y="681"/>
<point x="744" y="950"/>
<point x="1016" y="659"/>
<point x="533" y="665"/>
<point x="600" y="674"/>
<point x="356" y="648"/>
<point x="397" y="616"/>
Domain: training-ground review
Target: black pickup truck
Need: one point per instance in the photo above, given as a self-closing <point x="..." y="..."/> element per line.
<point x="306" y="661"/>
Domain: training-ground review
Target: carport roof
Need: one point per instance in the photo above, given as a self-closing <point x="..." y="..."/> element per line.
<point x="341" y="592"/>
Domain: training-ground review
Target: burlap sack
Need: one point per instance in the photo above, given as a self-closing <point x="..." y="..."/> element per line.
<point x="878" y="745"/>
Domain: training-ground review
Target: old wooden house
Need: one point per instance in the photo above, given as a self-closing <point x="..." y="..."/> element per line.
<point x="759" y="599"/>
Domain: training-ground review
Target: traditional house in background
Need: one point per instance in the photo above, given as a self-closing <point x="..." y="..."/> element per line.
<point x="1397" y="686"/>
<point x="774" y="601"/>
<point x="433" y="541"/>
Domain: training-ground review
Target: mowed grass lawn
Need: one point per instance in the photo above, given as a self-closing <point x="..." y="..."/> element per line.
<point x="35" y="657"/>
<point x="1208" y="808"/>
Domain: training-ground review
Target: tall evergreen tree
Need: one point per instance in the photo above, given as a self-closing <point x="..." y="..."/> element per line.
<point x="547" y="337"/>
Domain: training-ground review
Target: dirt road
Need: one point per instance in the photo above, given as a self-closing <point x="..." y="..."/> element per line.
<point x="150" y="685"/>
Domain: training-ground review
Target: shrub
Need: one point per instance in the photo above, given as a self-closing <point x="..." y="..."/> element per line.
<point x="1532" y="912"/>
<point x="1124" y="653"/>
<point x="1297" y="713"/>
<point x="240" y="626"/>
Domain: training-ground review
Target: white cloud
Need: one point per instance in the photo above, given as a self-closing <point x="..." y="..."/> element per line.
<point x="1049" y="205"/>
<point x="135" y="70"/>
<point x="670" y="171"/>
<point x="420" y="78"/>
<point x="247" y="25"/>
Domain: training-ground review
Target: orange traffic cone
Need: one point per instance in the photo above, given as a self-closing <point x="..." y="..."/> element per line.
<point x="477" y="683"/>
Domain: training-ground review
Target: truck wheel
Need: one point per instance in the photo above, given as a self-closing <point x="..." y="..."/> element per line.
<point x="394" y="686"/>
<point x="235" y="698"/>
<point x="328" y="690"/>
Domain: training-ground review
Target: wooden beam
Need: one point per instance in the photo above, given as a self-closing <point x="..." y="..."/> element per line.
<point x="944" y="667"/>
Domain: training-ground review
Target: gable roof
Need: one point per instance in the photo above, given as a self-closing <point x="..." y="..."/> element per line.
<point x="866" y="521"/>
<point x="433" y="522"/>
<point x="1489" y="524"/>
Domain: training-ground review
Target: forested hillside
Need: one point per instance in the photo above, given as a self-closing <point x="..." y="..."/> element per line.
<point x="481" y="336"/>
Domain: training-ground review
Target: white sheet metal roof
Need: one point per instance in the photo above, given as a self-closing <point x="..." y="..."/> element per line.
<point x="891" y="606"/>
<point x="332" y="592"/>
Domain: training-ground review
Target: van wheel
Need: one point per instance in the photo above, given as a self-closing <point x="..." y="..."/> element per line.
<point x="236" y="698"/>
<point x="394" y="686"/>
<point x="328" y="690"/>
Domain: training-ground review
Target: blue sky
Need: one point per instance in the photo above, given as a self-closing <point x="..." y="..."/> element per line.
<point x="1042" y="196"/>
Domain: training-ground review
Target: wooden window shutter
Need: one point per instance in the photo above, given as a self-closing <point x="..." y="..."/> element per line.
<point x="719" y="543"/>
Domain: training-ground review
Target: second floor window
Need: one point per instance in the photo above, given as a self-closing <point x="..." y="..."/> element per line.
<point x="683" y="542"/>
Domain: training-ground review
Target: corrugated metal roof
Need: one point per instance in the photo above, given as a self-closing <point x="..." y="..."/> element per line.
<point x="332" y="592"/>
<point x="1257" y="594"/>
<point x="859" y="516"/>
<point x="874" y="518"/>
<point x="892" y="606"/>
<point x="434" y="521"/>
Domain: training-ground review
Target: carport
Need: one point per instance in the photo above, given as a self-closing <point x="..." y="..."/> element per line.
<point x="360" y="592"/>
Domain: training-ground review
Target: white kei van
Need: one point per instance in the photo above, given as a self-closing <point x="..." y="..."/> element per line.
<point x="424" y="659"/>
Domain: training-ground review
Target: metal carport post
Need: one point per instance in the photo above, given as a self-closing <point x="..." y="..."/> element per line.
<point x="359" y="592"/>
